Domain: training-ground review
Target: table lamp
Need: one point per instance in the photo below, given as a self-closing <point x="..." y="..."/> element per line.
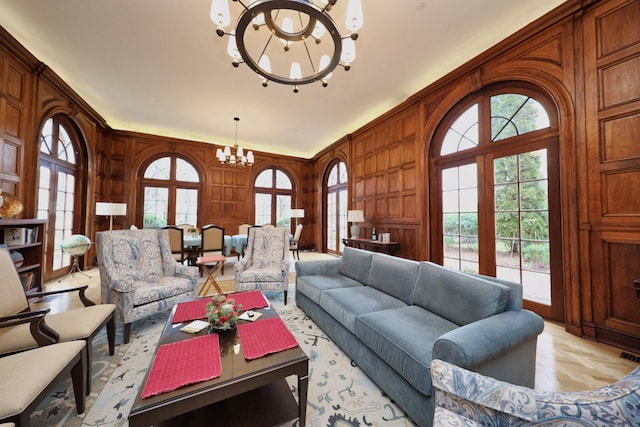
<point x="354" y="217"/>
<point x="111" y="210"/>
<point x="297" y="213"/>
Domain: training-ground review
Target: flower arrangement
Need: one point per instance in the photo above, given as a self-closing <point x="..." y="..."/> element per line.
<point x="193" y="230"/>
<point x="223" y="312"/>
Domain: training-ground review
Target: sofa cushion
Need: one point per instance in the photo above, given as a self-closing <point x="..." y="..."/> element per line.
<point x="404" y="337"/>
<point x="162" y="288"/>
<point x="394" y="276"/>
<point x="346" y="304"/>
<point x="356" y="264"/>
<point x="312" y="286"/>
<point x="475" y="298"/>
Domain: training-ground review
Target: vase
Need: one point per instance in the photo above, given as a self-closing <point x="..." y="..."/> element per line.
<point x="11" y="206"/>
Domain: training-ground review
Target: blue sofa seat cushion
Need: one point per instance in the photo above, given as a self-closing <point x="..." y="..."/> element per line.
<point x="356" y="264"/>
<point x="394" y="276"/>
<point x="346" y="304"/>
<point x="404" y="338"/>
<point x="312" y="286"/>
<point x="475" y="298"/>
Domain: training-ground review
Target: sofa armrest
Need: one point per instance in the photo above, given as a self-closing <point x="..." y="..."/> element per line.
<point x="320" y="267"/>
<point x="124" y="284"/>
<point x="472" y="344"/>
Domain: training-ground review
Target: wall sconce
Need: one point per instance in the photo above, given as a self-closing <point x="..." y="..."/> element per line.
<point x="111" y="210"/>
<point x="354" y="217"/>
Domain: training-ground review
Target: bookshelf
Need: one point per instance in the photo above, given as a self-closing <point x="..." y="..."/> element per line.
<point x="26" y="236"/>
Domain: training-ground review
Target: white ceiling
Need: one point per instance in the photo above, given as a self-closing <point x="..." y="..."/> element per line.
<point x="157" y="66"/>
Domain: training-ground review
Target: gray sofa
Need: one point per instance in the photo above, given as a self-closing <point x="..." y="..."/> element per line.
<point x="392" y="316"/>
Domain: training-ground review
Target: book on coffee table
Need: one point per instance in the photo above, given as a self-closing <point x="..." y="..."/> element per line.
<point x="195" y="326"/>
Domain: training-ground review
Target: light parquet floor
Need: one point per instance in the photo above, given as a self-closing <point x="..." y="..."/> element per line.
<point x="565" y="362"/>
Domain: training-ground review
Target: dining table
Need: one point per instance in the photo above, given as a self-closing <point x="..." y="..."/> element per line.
<point x="193" y="242"/>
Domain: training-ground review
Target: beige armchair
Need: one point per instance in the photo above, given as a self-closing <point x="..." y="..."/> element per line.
<point x="139" y="275"/>
<point x="265" y="265"/>
<point x="70" y="325"/>
<point x="29" y="377"/>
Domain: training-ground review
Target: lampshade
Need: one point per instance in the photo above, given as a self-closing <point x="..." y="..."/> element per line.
<point x="111" y="209"/>
<point x="355" y="216"/>
<point x="297" y="213"/>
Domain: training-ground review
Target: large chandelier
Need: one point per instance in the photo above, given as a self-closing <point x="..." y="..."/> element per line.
<point x="301" y="43"/>
<point x="237" y="158"/>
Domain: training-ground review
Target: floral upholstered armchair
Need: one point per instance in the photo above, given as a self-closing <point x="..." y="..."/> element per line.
<point x="265" y="265"/>
<point x="465" y="398"/>
<point x="139" y="274"/>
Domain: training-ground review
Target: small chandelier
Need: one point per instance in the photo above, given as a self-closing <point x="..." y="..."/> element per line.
<point x="238" y="158"/>
<point x="301" y="44"/>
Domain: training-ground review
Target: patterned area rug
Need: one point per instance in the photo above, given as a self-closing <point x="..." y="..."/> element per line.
<point x="340" y="394"/>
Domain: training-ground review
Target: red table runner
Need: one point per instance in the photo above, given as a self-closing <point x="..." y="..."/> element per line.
<point x="250" y="300"/>
<point x="183" y="363"/>
<point x="265" y="337"/>
<point x="191" y="310"/>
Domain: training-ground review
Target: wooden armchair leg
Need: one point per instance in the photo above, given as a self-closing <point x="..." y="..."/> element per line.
<point x="88" y="354"/>
<point x="127" y="332"/>
<point x="79" y="381"/>
<point x="111" y="334"/>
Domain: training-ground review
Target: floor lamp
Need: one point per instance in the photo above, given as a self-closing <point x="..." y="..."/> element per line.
<point x="111" y="210"/>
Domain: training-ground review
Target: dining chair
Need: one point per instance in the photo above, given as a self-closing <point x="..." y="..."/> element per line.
<point x="70" y="325"/>
<point x="243" y="228"/>
<point x="212" y="242"/>
<point x="176" y="241"/>
<point x="186" y="227"/>
<point x="294" y="244"/>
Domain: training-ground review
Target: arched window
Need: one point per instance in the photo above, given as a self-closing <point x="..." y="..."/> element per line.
<point x="171" y="188"/>
<point x="336" y="204"/>
<point x="273" y="198"/>
<point x="59" y="180"/>
<point x="497" y="175"/>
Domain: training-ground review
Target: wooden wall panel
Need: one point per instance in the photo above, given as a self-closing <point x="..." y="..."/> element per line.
<point x="616" y="87"/>
<point x="612" y="117"/>
<point x="620" y="136"/>
<point x="616" y="195"/>
<point x="14" y="113"/>
<point x="618" y="28"/>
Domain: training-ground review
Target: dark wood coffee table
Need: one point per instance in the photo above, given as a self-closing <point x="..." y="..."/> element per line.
<point x="247" y="393"/>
